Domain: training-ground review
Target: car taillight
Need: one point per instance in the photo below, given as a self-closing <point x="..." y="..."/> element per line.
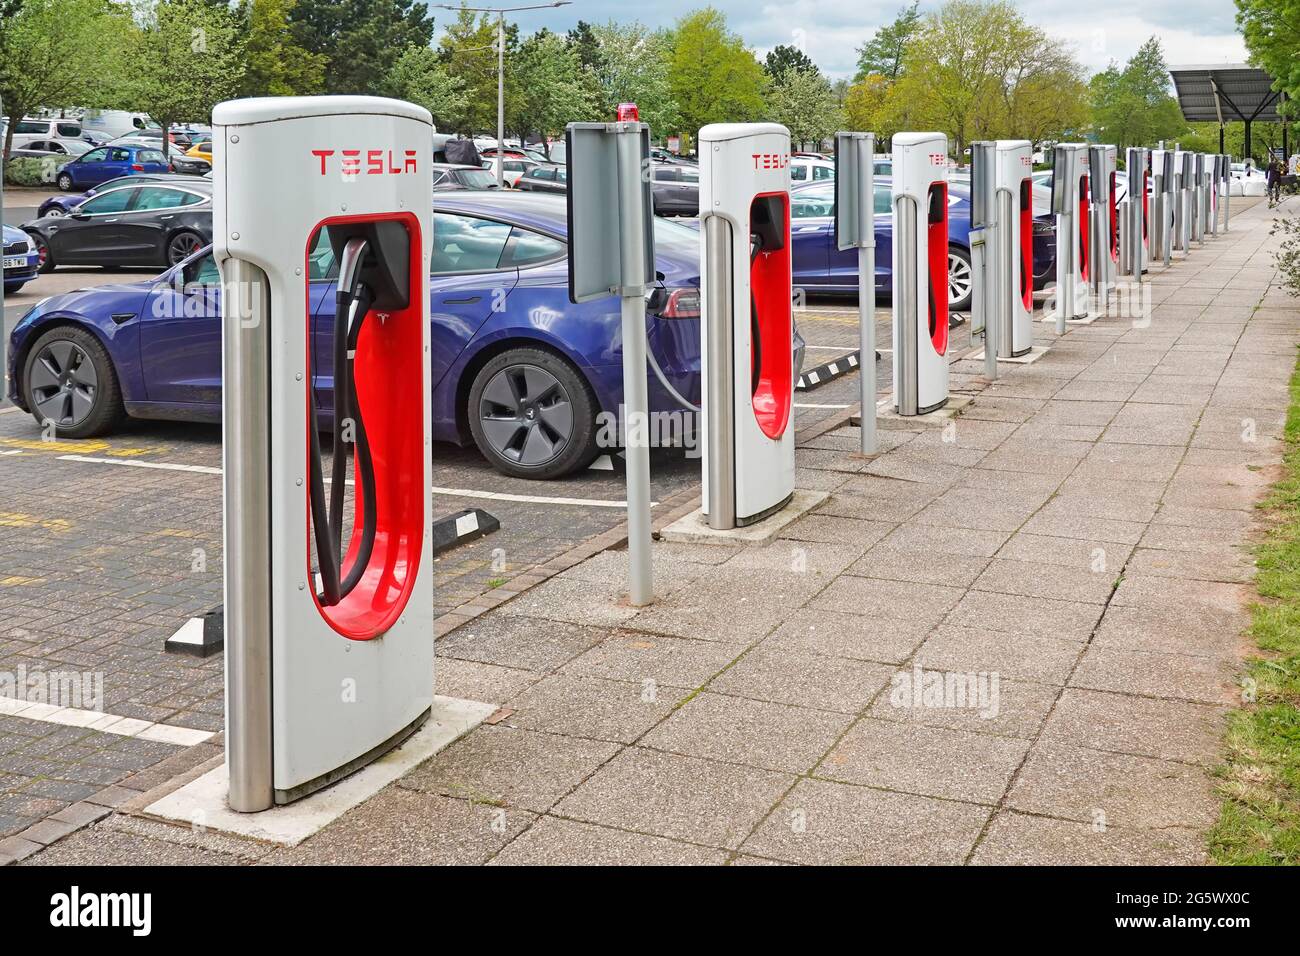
<point x="682" y="304"/>
<point x="138" y="167"/>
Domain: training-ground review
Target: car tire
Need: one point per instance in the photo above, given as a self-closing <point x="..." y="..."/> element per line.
<point x="68" y="372"/>
<point x="46" y="263"/>
<point x="13" y="288"/>
<point x="183" y="245"/>
<point x="533" y="415"/>
<point x="960" y="279"/>
<point x="64" y="182"/>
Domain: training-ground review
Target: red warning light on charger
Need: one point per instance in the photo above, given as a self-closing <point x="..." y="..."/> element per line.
<point x="628" y="113"/>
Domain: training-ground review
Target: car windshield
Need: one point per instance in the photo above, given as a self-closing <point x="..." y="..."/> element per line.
<point x="674" y="239"/>
<point x="478" y="179"/>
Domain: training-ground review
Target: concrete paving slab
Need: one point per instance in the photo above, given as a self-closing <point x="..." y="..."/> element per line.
<point x="1029" y="657"/>
<point x="553" y="841"/>
<point x="756" y="733"/>
<point x="509" y="766"/>
<point x="662" y="659"/>
<point x="772" y="673"/>
<point x="929" y="761"/>
<point x="1206" y="680"/>
<point x="694" y="527"/>
<point x="1149" y="727"/>
<point x="519" y="642"/>
<point x="1018" y="839"/>
<point x="851" y="636"/>
<point x="1021" y="709"/>
<point x="620" y="711"/>
<point x="822" y="822"/>
<point x="685" y="798"/>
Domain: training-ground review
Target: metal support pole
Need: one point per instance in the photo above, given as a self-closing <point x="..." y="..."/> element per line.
<point x="1065" y="290"/>
<point x="636" y="402"/>
<point x="246" y="482"/>
<point x="501" y="100"/>
<point x="720" y="347"/>
<point x="4" y="333"/>
<point x="1227" y="201"/>
<point x="906" y="349"/>
<point x="866" y="149"/>
<point x="1004" y="263"/>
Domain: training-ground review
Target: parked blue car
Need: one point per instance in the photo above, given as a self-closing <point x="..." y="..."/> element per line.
<point x="820" y="266"/>
<point x="517" y="369"/>
<point x="108" y="162"/>
<point x="20" y="259"/>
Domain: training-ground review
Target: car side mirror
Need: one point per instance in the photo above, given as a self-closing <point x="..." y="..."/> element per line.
<point x="80" y="216"/>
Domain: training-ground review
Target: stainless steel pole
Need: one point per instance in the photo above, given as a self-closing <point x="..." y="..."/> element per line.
<point x="905" y="350"/>
<point x="866" y="147"/>
<point x="501" y="99"/>
<point x="246" y="482"/>
<point x="1064" y="269"/>
<point x="636" y="402"/>
<point x="719" y="407"/>
<point x="4" y="332"/>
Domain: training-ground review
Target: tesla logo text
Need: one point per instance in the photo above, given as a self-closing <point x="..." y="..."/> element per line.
<point x="1026" y="161"/>
<point x="771" y="160"/>
<point x="938" y="159"/>
<point x="375" y="162"/>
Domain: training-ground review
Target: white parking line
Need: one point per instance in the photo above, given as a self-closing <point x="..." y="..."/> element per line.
<point x="449" y="492"/>
<point x="107" y="723"/>
<point x="160" y="465"/>
<point x="813" y="405"/>
<point x="11" y="408"/>
<point x="834" y="348"/>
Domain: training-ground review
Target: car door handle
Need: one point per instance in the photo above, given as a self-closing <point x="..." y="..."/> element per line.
<point x="114" y="219"/>
<point x="120" y="317"/>
<point x="172" y="216"/>
<point x="462" y="301"/>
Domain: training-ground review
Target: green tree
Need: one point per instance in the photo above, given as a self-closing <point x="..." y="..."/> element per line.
<point x="420" y="76"/>
<point x="1133" y="106"/>
<point x="783" y="58"/>
<point x="1272" y="32"/>
<point x="804" y="103"/>
<point x="632" y="65"/>
<point x="714" y="76"/>
<point x="468" y="47"/>
<point x="61" y="53"/>
<point x="359" y="38"/>
<point x="551" y="87"/>
<point x="188" y="57"/>
<point x="884" y="53"/>
<point x="276" y="65"/>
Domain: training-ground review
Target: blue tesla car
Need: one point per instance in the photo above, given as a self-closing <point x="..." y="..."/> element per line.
<point x="20" y="258"/>
<point x="517" y="369"/>
<point x="820" y="266"/>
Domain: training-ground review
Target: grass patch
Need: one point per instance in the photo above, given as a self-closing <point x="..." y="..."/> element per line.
<point x="1260" y="780"/>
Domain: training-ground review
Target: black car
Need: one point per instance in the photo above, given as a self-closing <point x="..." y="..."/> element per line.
<point x="453" y="176"/>
<point x="548" y="178"/>
<point x="135" y="224"/>
<point x="676" y="189"/>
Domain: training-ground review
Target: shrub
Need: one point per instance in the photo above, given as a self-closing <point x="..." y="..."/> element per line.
<point x="26" y="171"/>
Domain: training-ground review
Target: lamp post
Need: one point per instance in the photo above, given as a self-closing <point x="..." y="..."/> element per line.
<point x="501" y="66"/>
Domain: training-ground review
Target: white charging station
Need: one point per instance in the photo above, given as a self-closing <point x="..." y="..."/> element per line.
<point x="1110" y="172"/>
<point x="1199" y="179"/>
<point x="329" y="622"/>
<point x="920" y="272"/>
<point x="747" y="325"/>
<point x="1014" y="185"/>
<point x="1162" y="205"/>
<point x="1102" y="224"/>
<point x="1134" y="233"/>
<point x="1184" y="181"/>
<point x="1070" y="203"/>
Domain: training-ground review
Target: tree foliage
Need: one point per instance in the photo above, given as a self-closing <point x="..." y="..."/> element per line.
<point x="1133" y="106"/>
<point x="884" y="53"/>
<point x="359" y="38"/>
<point x="803" y="102"/>
<point x="714" y="77"/>
<point x="277" y="65"/>
<point x="552" y="87"/>
<point x="631" y="64"/>
<point x="784" y="58"/>
<point x="1272" y="32"/>
<point x="421" y="77"/>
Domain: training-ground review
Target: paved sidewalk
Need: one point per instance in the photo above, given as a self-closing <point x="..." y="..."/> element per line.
<point x="1068" y="550"/>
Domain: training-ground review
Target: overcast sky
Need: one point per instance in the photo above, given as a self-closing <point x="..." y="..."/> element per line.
<point x="829" y="31"/>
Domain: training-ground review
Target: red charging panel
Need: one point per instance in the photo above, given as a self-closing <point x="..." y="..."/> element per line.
<point x="769" y="284"/>
<point x="1026" y="244"/>
<point x="1083" y="224"/>
<point x="1114" y="222"/>
<point x="389" y="373"/>
<point x="937" y="251"/>
<point x="1146" y="207"/>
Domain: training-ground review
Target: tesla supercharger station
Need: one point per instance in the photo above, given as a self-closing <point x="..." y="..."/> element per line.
<point x="1070" y="195"/>
<point x="1225" y="187"/>
<point x="1008" y="272"/>
<point x="1184" y="180"/>
<point x="1102" y="219"/>
<point x="920" y="267"/>
<point x="747" y="324"/>
<point x="1199" y="178"/>
<point x="1161" y="225"/>
<point x="1134" y="245"/>
<point x="329" y="630"/>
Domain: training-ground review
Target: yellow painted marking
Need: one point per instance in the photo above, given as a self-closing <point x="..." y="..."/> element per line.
<point x="178" y="533"/>
<point x="61" y="446"/>
<point x="17" y="580"/>
<point x="134" y="452"/>
<point x="13" y="519"/>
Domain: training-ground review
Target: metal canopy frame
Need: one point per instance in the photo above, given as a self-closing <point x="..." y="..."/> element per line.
<point x="1227" y="93"/>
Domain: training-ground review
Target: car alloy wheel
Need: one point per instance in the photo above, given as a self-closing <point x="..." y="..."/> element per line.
<point x="42" y="254"/>
<point x="959" y="279"/>
<point x="526" y="415"/>
<point x="56" y="212"/>
<point x="64" y="182"/>
<point x="182" y="247"/>
<point x="64" y="384"/>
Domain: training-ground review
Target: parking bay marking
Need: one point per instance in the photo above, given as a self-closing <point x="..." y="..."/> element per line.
<point x="449" y="492"/>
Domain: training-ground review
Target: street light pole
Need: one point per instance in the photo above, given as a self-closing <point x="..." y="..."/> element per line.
<point x="501" y="66"/>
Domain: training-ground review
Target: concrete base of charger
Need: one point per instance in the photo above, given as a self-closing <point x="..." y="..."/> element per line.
<point x="694" y="528"/>
<point x="885" y="411"/>
<point x="1033" y="355"/>
<point x="202" y="801"/>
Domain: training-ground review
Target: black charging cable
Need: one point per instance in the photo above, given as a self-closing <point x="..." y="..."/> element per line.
<point x="352" y="306"/>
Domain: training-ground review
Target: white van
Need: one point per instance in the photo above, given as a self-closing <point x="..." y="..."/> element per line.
<point x="110" y="124"/>
<point x="29" y="130"/>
